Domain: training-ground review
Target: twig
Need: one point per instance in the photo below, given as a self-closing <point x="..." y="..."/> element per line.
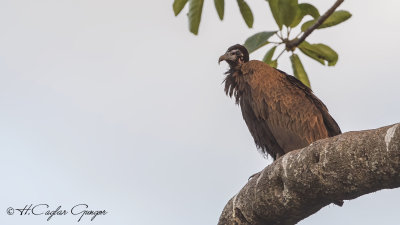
<point x="298" y="35"/>
<point x="275" y="42"/>
<point x="321" y="19"/>
<point x="280" y="54"/>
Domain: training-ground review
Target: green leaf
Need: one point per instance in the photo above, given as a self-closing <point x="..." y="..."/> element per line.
<point x="299" y="71"/>
<point x="246" y="13"/>
<point x="319" y="52"/>
<point x="307" y="24"/>
<point x="305" y="48"/>
<point x="258" y="40"/>
<point x="273" y="5"/>
<point x="178" y="6"/>
<point x="274" y="64"/>
<point x="327" y="53"/>
<point x="299" y="17"/>
<point x="334" y="19"/>
<point x="195" y="9"/>
<point x="284" y="11"/>
<point x="268" y="56"/>
<point x="303" y="10"/>
<point x="309" y="9"/>
<point x="220" y="6"/>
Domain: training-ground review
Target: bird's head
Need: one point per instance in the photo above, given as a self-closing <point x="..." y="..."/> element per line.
<point x="235" y="55"/>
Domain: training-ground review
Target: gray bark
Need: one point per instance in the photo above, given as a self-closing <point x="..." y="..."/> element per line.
<point x="303" y="181"/>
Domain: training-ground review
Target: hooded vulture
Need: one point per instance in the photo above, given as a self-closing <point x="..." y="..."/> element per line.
<point x="281" y="113"/>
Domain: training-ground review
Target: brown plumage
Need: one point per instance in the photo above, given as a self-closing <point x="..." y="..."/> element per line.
<point x="281" y="113"/>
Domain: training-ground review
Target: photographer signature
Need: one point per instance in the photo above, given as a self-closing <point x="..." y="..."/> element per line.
<point x="80" y="210"/>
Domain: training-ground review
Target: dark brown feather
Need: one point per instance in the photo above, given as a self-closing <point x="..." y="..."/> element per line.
<point x="281" y="113"/>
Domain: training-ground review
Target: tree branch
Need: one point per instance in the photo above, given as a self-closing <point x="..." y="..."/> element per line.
<point x="303" y="181"/>
<point x="321" y="19"/>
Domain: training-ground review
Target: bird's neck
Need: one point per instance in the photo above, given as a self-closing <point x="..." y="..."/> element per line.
<point x="233" y="81"/>
<point x="235" y="64"/>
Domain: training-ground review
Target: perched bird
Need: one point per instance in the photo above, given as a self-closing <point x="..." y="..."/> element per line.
<point x="281" y="113"/>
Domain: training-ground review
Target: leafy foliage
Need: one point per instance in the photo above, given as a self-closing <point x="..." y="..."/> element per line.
<point x="303" y="10"/>
<point x="268" y="57"/>
<point x="284" y="11"/>
<point x="334" y="19"/>
<point x="246" y="13"/>
<point x="258" y="40"/>
<point x="298" y="70"/>
<point x="195" y="9"/>
<point x="220" y="7"/>
<point x="178" y="6"/>
<point x="288" y="15"/>
<point x="319" y="52"/>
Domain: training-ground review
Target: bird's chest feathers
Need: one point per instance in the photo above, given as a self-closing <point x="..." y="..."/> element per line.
<point x="241" y="81"/>
<point x="236" y="84"/>
<point x="264" y="94"/>
<point x="259" y="92"/>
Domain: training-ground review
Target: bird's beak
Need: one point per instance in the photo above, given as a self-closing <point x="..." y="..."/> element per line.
<point x="222" y="58"/>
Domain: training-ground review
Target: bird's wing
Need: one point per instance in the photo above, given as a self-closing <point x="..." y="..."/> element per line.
<point x="285" y="106"/>
<point x="259" y="129"/>
<point x="331" y="125"/>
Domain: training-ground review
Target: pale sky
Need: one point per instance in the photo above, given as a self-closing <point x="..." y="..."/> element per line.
<point x="116" y="105"/>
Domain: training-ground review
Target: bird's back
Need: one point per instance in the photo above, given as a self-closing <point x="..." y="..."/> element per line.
<point x="281" y="113"/>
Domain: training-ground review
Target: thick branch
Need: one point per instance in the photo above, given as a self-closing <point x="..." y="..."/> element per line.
<point x="321" y="19"/>
<point x="303" y="181"/>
